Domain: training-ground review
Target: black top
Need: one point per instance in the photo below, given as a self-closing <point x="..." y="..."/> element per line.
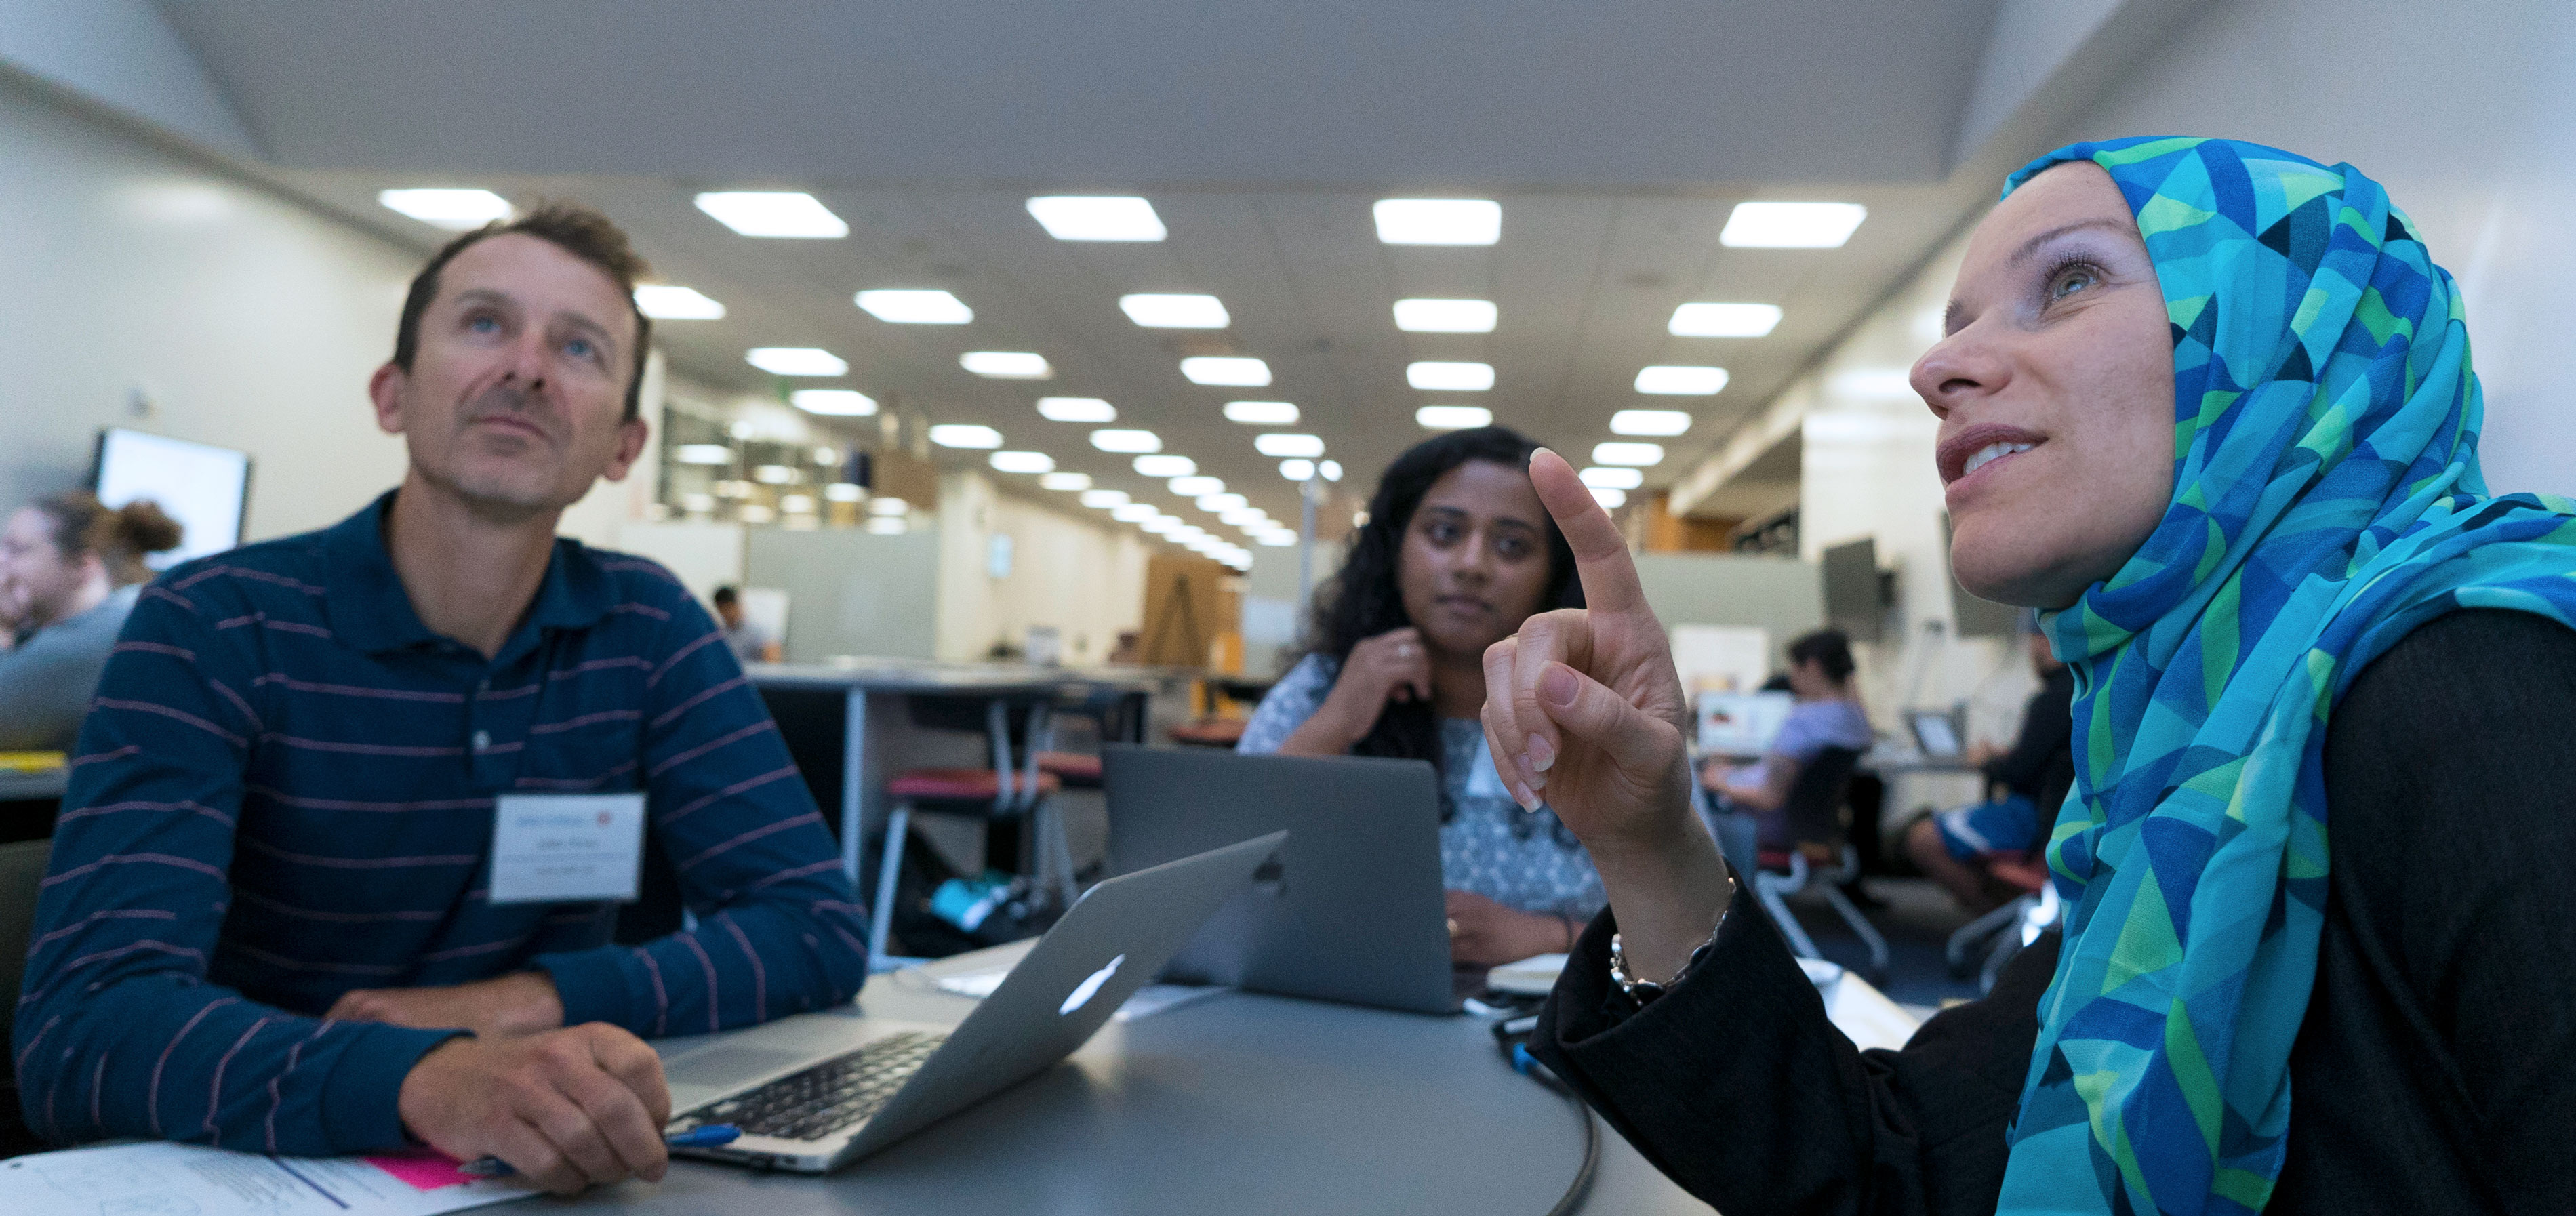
<point x="2041" y="764"/>
<point x="2435" y="1071"/>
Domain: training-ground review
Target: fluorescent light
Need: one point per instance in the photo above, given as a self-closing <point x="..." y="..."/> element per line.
<point x="797" y="504"/>
<point x="1127" y="441"/>
<point x="965" y="435"/>
<point x="1641" y="455"/>
<point x="1196" y="485"/>
<point x="1133" y="513"/>
<point x="1261" y="413"/>
<point x="1331" y="469"/>
<point x="1021" y="462"/>
<point x="1227" y="370"/>
<point x="1006" y="364"/>
<point x="702" y="453"/>
<point x="1165" y="466"/>
<point x="1104" y="499"/>
<point x="1065" y="481"/>
<point x="1175" y="311"/>
<point x="844" y="491"/>
<point x="1649" y="422"/>
<point x="1251" y="519"/>
<point x="1791" y="225"/>
<point x="453" y="210"/>
<point x="835" y="402"/>
<point x="697" y="504"/>
<point x="1439" y="221"/>
<point x="1441" y="377"/>
<point x="1218" y="504"/>
<point x="906" y="306"/>
<point x="770" y="213"/>
<point x="1599" y="477"/>
<point x="1161" y="525"/>
<point x="1297" y="470"/>
<point x="886" y="525"/>
<point x="1190" y="534"/>
<point x="1610" y="499"/>
<point x="1445" y="316"/>
<point x="1076" y="409"/>
<point x="1278" y="444"/>
<point x="1097" y="217"/>
<point x="754" y="513"/>
<point x="1724" y="320"/>
<point x="888" y="506"/>
<point x="773" y="474"/>
<point x="671" y="302"/>
<point x="796" y="361"/>
<point x="1674" y="380"/>
<point x="1453" y="417"/>
<point x="1276" y="539"/>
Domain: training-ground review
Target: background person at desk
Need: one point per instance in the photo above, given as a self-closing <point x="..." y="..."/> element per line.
<point x="750" y="642"/>
<point x="1457" y="552"/>
<point x="1956" y="846"/>
<point x="2315" y="954"/>
<point x="277" y="918"/>
<point x="1827" y="714"/>
<point x="69" y="573"/>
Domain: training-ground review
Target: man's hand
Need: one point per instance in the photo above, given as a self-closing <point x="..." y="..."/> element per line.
<point x="1483" y="933"/>
<point x="568" y="1109"/>
<point x="1583" y="706"/>
<point x="525" y="1003"/>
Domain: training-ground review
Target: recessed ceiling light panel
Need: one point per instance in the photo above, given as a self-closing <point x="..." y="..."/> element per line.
<point x="1288" y="445"/>
<point x="1609" y="498"/>
<point x="1445" y="316"/>
<point x="773" y="213"/>
<point x="1791" y="225"/>
<point x="1724" y="320"/>
<point x="1195" y="485"/>
<point x="1226" y="370"/>
<point x="702" y="453"/>
<point x="453" y="210"/>
<point x="1076" y="409"/>
<point x="1175" y="311"/>
<point x="1165" y="466"/>
<point x="1640" y="455"/>
<point x="796" y="361"/>
<point x="1007" y="364"/>
<point x="1442" y="377"/>
<point x="1127" y="441"/>
<point x="1679" y="381"/>
<point x="1097" y="217"/>
<point x="1297" y="470"/>
<point x="672" y="302"/>
<point x="1021" y="462"/>
<point x="1453" y="417"/>
<point x="909" y="306"/>
<point x="833" y="402"/>
<point x="1104" y="499"/>
<point x="965" y="435"/>
<point x="1261" y="413"/>
<point x="1064" y="481"/>
<point x="1438" y="221"/>
<point x="1649" y="422"/>
<point x="1603" y="477"/>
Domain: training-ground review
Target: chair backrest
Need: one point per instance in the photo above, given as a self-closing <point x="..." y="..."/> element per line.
<point x="1814" y="810"/>
<point x="22" y="874"/>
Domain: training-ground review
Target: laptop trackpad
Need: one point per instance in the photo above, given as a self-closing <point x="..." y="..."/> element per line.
<point x="726" y="1065"/>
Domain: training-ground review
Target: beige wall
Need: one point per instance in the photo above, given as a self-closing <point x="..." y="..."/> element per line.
<point x="1085" y="579"/>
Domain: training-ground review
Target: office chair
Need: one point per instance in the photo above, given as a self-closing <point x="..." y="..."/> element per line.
<point x="1012" y="791"/>
<point x="2007" y="929"/>
<point x="1814" y="813"/>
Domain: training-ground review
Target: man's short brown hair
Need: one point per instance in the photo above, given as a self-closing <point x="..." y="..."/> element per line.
<point x="571" y="227"/>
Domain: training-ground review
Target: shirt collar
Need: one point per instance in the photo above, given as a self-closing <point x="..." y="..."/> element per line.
<point x="370" y="610"/>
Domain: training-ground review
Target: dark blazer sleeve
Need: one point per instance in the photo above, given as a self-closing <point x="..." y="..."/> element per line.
<point x="1738" y="1088"/>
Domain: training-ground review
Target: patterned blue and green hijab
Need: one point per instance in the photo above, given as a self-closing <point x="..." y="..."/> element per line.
<point x="2327" y="500"/>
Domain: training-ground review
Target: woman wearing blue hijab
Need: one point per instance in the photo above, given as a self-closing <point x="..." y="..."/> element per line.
<point x="2211" y="405"/>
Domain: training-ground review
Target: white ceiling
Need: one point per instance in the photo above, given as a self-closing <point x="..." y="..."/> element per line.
<point x="1617" y="135"/>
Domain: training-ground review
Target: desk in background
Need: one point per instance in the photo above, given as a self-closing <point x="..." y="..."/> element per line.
<point x="1233" y="1104"/>
<point x="29" y="802"/>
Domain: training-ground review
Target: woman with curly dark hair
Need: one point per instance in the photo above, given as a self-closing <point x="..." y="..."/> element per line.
<point x="1456" y="553"/>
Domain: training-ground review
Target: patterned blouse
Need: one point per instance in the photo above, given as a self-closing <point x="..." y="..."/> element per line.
<point x="1525" y="860"/>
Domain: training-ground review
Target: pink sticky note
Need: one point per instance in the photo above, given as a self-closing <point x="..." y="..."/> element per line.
<point x="425" y="1169"/>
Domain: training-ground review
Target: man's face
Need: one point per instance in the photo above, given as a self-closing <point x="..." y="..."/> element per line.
<point x="516" y="397"/>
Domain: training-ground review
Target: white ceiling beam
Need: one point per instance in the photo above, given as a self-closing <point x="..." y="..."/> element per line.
<point x="122" y="56"/>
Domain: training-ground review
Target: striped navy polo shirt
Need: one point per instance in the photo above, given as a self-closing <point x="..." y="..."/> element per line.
<point x="284" y="791"/>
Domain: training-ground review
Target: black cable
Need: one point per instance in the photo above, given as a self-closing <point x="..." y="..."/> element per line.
<point x="1512" y="1036"/>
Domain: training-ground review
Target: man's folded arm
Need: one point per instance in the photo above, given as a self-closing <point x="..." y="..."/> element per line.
<point x="778" y="931"/>
<point x="119" y="1032"/>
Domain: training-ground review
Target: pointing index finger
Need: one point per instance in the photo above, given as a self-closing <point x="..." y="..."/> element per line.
<point x="1601" y="558"/>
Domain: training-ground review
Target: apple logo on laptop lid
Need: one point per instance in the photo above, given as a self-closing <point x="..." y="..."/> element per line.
<point x="1089" y="987"/>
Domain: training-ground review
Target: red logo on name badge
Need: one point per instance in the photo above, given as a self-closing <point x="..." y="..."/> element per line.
<point x="604" y="817"/>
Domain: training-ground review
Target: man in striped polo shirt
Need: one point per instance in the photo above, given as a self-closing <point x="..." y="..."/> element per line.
<point x="272" y="922"/>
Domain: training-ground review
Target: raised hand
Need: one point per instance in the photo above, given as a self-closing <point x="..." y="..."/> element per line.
<point x="1584" y="710"/>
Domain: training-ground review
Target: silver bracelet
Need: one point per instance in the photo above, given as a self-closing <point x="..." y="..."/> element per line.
<point x="1644" y="991"/>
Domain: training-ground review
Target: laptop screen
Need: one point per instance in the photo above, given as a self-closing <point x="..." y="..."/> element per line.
<point x="1741" y="723"/>
<point x="1934" y="732"/>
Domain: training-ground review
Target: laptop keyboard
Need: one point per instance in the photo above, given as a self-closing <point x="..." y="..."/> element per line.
<point x="836" y="1094"/>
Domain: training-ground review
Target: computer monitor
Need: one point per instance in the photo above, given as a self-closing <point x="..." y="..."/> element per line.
<point x="1937" y="733"/>
<point x="1741" y="723"/>
<point x="1853" y="601"/>
<point x="204" y="487"/>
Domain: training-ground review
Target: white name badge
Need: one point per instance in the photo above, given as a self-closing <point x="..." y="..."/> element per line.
<point x="566" y="848"/>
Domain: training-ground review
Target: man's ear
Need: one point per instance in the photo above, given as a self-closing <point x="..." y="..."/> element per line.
<point x="385" y="389"/>
<point x="631" y="435"/>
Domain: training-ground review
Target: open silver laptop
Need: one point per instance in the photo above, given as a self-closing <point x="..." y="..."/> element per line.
<point x="817" y="1091"/>
<point x="1354" y="913"/>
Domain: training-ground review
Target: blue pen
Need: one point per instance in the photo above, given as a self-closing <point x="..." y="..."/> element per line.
<point x="708" y="1136"/>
